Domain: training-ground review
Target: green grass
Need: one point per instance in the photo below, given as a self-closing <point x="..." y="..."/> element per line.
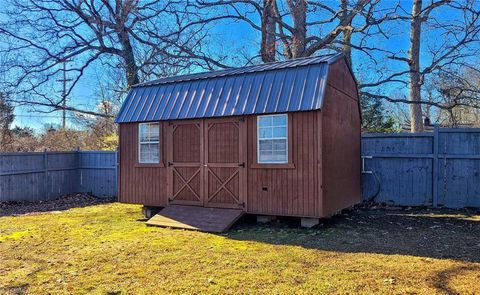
<point x="108" y="249"/>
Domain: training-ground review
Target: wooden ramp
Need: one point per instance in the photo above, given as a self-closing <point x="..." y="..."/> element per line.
<point x="215" y="220"/>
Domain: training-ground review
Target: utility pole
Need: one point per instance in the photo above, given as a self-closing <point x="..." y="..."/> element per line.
<point x="64" y="95"/>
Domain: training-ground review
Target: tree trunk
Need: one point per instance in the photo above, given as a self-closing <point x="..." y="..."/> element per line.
<point x="268" y="46"/>
<point x="416" y="124"/>
<point x="347" y="48"/>
<point x="129" y="58"/>
<point x="299" y="35"/>
<point x="347" y="35"/>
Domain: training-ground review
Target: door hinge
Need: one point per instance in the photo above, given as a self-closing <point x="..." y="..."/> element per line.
<point x="241" y="165"/>
<point x="170" y="164"/>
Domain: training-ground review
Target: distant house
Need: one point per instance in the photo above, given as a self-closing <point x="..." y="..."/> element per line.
<point x="280" y="138"/>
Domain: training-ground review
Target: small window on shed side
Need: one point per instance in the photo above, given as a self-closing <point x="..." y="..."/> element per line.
<point x="272" y="139"/>
<point x="149" y="143"/>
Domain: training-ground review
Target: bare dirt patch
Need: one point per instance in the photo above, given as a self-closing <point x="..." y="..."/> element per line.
<point x="60" y="204"/>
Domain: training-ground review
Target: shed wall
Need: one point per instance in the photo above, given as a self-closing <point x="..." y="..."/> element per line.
<point x="289" y="191"/>
<point x="341" y="141"/>
<point x="139" y="184"/>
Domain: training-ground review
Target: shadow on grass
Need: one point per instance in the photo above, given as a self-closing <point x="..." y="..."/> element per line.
<point x="444" y="234"/>
<point x="442" y="281"/>
<point x="60" y="204"/>
<point x="14" y="290"/>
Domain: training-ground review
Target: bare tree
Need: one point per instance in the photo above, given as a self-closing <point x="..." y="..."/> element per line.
<point x="449" y="45"/>
<point x="268" y="44"/>
<point x="293" y="25"/>
<point x="414" y="65"/>
<point x="6" y="120"/>
<point x="136" y="37"/>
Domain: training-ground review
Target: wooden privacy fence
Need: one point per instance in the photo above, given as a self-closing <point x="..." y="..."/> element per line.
<point x="440" y="168"/>
<point x="48" y="175"/>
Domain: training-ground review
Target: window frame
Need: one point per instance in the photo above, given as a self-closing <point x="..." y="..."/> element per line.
<point x="288" y="164"/>
<point x="141" y="163"/>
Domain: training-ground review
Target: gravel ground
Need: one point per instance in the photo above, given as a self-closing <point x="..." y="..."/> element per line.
<point x="60" y="204"/>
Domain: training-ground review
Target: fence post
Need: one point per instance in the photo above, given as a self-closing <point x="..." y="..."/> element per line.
<point x="45" y="173"/>
<point x="116" y="173"/>
<point x="79" y="171"/>
<point x="435" y="167"/>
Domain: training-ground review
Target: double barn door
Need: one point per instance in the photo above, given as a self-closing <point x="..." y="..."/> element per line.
<point x="206" y="163"/>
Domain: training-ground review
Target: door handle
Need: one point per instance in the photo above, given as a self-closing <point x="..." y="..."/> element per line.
<point x="241" y="165"/>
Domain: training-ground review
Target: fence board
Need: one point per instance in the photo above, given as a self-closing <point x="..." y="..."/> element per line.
<point x="48" y="175"/>
<point x="98" y="173"/>
<point x="440" y="168"/>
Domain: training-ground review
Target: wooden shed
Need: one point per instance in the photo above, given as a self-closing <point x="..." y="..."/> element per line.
<point x="277" y="139"/>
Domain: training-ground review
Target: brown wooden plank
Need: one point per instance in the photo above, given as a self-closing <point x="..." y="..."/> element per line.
<point x="341" y="142"/>
<point x="196" y="218"/>
<point x="140" y="184"/>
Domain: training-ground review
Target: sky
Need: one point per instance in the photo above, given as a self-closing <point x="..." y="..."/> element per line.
<point x="233" y="39"/>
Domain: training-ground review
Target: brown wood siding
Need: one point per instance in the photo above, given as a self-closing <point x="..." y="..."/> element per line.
<point x="341" y="141"/>
<point x="292" y="190"/>
<point x="140" y="184"/>
<point x="289" y="191"/>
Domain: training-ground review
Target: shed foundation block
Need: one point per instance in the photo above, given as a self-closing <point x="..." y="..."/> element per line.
<point x="149" y="212"/>
<point x="265" y="218"/>
<point x="309" y="222"/>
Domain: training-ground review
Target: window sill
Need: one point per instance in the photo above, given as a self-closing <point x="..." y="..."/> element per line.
<point x="272" y="166"/>
<point x="149" y="165"/>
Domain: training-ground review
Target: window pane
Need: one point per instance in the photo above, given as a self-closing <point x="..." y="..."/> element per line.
<point x="153" y="132"/>
<point x="149" y="153"/>
<point x="265" y="156"/>
<point x="143" y="133"/>
<point x="149" y="132"/>
<point x="280" y="132"/>
<point x="279" y="144"/>
<point x="280" y="120"/>
<point x="265" y="145"/>
<point x="264" y="132"/>
<point x="265" y="121"/>
<point x="154" y="152"/>
<point x="279" y="156"/>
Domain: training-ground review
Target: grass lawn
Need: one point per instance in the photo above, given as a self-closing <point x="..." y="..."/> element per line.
<point x="108" y="249"/>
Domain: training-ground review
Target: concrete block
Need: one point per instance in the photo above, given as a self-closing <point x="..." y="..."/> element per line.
<point x="309" y="222"/>
<point x="265" y="218"/>
<point x="149" y="212"/>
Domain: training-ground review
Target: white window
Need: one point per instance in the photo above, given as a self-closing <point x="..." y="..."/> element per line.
<point x="272" y="139"/>
<point x="149" y="143"/>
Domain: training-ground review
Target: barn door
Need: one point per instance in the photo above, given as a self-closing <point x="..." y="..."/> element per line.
<point x="185" y="163"/>
<point x="225" y="157"/>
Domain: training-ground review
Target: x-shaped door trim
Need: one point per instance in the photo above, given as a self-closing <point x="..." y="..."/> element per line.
<point x="223" y="186"/>
<point x="186" y="184"/>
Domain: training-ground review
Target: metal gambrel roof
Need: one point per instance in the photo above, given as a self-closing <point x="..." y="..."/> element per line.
<point x="278" y="87"/>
